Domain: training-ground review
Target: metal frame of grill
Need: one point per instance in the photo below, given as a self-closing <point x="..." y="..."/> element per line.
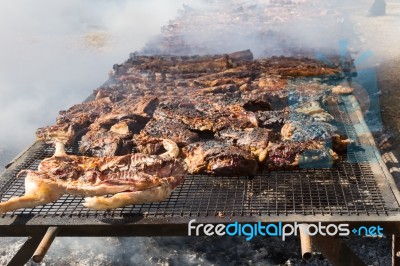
<point x="358" y="190"/>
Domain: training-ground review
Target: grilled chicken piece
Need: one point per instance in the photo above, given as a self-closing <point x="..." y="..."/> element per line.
<point x="254" y="140"/>
<point x="288" y="155"/>
<point x="150" y="139"/>
<point x="218" y="158"/>
<point x="274" y="89"/>
<point x="133" y="179"/>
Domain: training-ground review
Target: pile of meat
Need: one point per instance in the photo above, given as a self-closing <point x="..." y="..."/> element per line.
<point x="228" y="114"/>
<point x="219" y="115"/>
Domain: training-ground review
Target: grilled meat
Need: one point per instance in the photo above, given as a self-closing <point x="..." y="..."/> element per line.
<point x="187" y="114"/>
<point x="254" y="140"/>
<point x="101" y="112"/>
<point x="111" y="135"/>
<point x="304" y="130"/>
<point x="289" y="155"/>
<point x="234" y="116"/>
<point x="206" y="116"/>
<point x="298" y="67"/>
<point x="85" y="113"/>
<point x="138" y="106"/>
<point x="272" y="119"/>
<point x="273" y="88"/>
<point x="65" y="133"/>
<point x="133" y="179"/>
<point x="245" y="104"/>
<point x="74" y="122"/>
<point x="218" y="158"/>
<point x="104" y="143"/>
<point x="150" y="139"/>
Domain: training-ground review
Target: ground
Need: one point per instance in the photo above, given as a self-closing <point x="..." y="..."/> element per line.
<point x="380" y="36"/>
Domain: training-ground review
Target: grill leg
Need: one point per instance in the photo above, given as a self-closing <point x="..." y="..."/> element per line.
<point x="26" y="251"/>
<point x="336" y="251"/>
<point x="395" y="250"/>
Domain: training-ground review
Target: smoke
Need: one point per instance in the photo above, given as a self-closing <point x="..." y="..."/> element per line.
<point x="54" y="53"/>
<point x="267" y="28"/>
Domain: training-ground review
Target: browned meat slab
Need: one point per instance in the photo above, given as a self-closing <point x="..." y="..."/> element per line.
<point x="206" y="116"/>
<point x="100" y="115"/>
<point x="219" y="158"/>
<point x="111" y="135"/>
<point x="132" y="179"/>
<point x="289" y="155"/>
<point x="187" y="114"/>
<point x="73" y="122"/>
<point x="105" y="143"/>
<point x="254" y="140"/>
<point x="297" y="67"/>
<point x="273" y="119"/>
<point x="303" y="128"/>
<point x="150" y="139"/>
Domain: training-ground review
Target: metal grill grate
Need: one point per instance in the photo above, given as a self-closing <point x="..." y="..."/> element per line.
<point x="349" y="188"/>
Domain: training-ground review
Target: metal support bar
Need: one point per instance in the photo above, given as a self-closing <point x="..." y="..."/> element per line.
<point x="305" y="243"/>
<point x="24" y="254"/>
<point x="45" y="244"/>
<point x="336" y="251"/>
<point x="395" y="250"/>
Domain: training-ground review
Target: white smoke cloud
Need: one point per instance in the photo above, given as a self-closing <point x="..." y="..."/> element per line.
<point x="54" y="53"/>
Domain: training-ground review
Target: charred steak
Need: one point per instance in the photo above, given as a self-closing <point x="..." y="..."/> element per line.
<point x="293" y="155"/>
<point x="254" y="140"/>
<point x="150" y="139"/>
<point x="207" y="116"/>
<point x="219" y="158"/>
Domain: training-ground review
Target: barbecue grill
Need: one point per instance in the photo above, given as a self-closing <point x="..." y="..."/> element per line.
<point x="358" y="190"/>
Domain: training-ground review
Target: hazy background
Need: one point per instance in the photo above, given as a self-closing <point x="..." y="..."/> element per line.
<point x="54" y="53"/>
